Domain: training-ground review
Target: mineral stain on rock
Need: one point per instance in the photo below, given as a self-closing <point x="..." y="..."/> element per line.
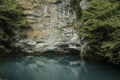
<point x="50" y="20"/>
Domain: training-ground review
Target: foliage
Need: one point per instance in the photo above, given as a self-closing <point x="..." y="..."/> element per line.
<point x="11" y="19"/>
<point x="100" y="25"/>
<point x="75" y="6"/>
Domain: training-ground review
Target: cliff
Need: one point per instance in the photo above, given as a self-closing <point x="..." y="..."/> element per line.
<point x="50" y="20"/>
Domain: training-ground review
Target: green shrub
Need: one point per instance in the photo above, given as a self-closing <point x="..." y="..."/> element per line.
<point x="100" y="25"/>
<point x="11" y="20"/>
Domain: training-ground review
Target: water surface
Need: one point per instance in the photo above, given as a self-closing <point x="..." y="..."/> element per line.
<point x="56" y="68"/>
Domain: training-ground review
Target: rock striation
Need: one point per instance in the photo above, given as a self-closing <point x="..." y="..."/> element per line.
<point x="50" y="20"/>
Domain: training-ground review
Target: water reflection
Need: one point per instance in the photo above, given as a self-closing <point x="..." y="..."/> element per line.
<point x="56" y="68"/>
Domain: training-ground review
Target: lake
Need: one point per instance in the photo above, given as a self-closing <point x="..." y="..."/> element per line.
<point x="54" y="67"/>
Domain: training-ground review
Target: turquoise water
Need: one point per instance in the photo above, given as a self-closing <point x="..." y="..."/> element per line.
<point x="56" y="68"/>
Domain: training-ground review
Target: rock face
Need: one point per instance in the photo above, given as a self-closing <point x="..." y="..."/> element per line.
<point x="50" y="20"/>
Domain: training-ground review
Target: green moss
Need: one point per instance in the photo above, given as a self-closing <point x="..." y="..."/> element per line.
<point x="75" y="6"/>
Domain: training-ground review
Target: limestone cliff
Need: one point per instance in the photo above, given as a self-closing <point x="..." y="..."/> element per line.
<point x="50" y="20"/>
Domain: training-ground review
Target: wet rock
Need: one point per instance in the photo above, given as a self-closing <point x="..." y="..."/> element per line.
<point x="50" y="27"/>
